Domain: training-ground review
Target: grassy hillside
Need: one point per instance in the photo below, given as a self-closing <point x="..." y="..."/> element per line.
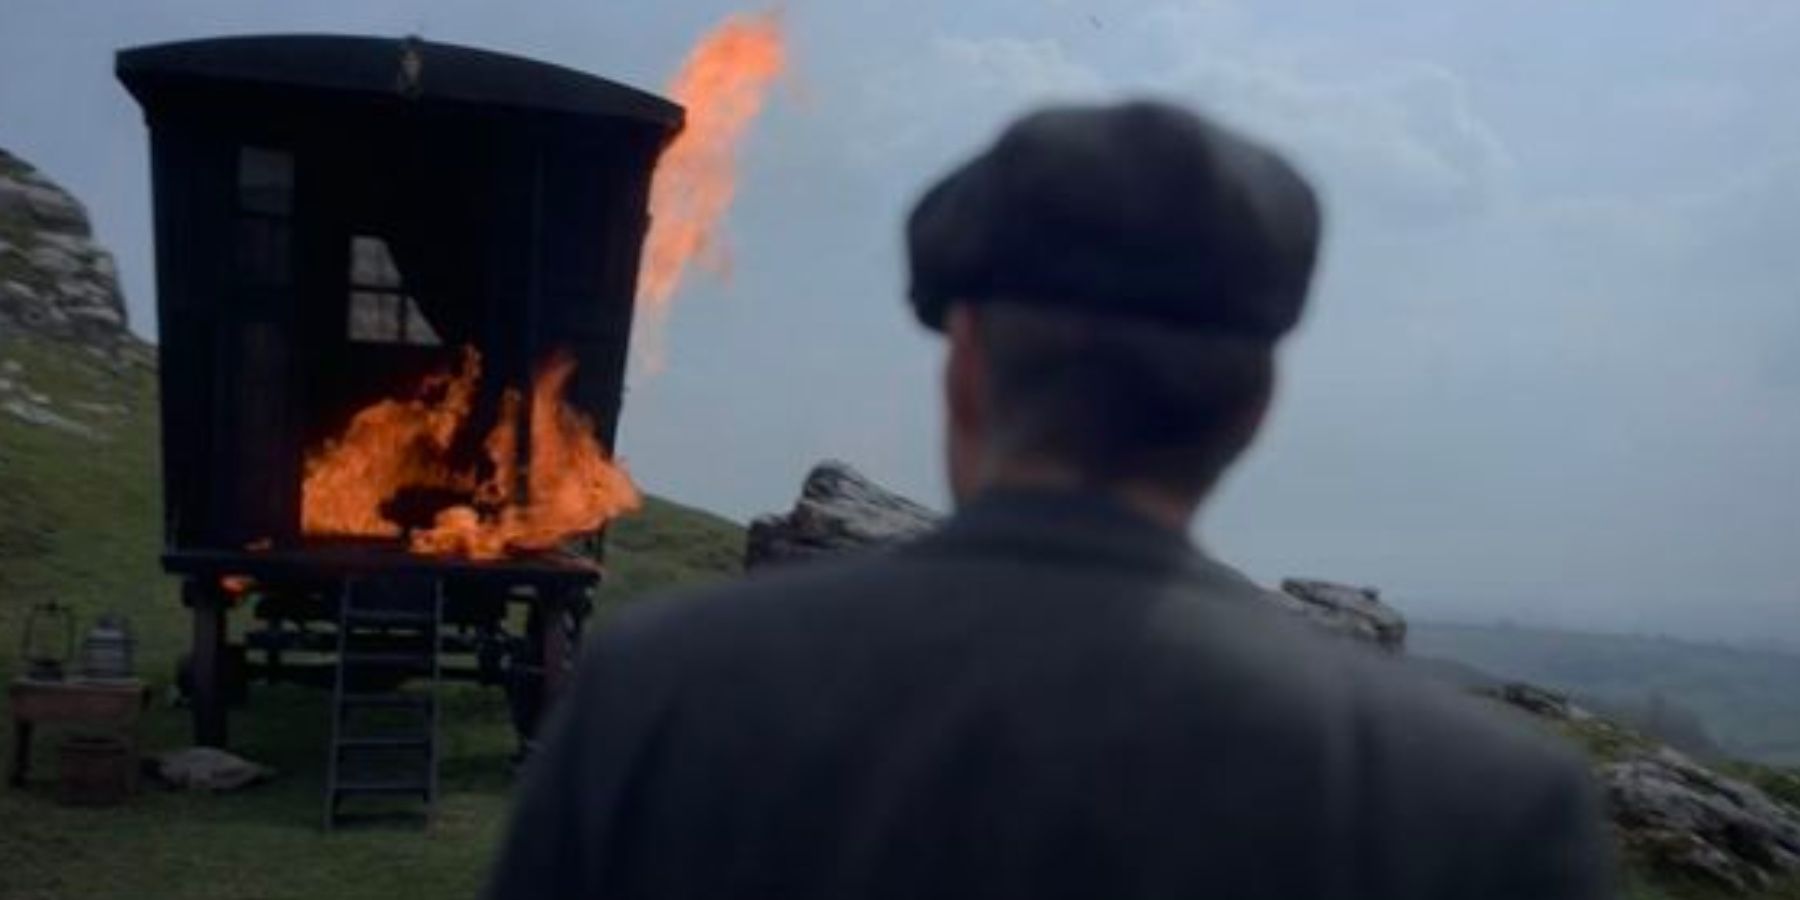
<point x="78" y="515"/>
<point x="79" y="523"/>
<point x="668" y="545"/>
<point x="1745" y="698"/>
<point x="1643" y="879"/>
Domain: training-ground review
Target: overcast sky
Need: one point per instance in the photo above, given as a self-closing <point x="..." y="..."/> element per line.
<point x="1552" y="369"/>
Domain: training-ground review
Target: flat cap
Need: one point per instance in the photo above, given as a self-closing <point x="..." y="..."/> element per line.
<point x="1140" y="209"/>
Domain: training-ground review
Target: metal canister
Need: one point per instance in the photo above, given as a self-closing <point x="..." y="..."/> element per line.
<point x="106" y="651"/>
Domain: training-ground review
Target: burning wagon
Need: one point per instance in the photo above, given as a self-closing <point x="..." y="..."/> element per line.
<point x="395" y="284"/>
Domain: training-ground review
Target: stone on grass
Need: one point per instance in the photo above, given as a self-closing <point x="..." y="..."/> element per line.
<point x="209" y="769"/>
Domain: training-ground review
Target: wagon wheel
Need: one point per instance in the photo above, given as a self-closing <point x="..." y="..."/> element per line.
<point x="543" y="663"/>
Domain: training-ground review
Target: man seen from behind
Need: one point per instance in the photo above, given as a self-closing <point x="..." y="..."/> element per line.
<point x="1057" y="694"/>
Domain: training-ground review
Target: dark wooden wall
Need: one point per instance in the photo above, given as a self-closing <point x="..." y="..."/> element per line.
<point x="518" y="233"/>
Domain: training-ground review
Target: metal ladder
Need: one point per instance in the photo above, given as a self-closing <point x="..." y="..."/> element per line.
<point x="383" y="733"/>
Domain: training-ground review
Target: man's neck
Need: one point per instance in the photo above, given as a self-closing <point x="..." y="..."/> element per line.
<point x="1153" y="503"/>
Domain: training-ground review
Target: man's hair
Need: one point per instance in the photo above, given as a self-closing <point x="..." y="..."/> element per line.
<point x="1120" y="399"/>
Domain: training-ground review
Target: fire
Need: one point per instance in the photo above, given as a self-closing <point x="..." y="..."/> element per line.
<point x="393" y="445"/>
<point x="389" y="446"/>
<point x="571" y="487"/>
<point x="722" y="84"/>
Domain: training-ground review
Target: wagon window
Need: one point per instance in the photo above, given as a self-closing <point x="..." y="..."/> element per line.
<point x="381" y="312"/>
<point x="265" y="206"/>
<point x="265" y="181"/>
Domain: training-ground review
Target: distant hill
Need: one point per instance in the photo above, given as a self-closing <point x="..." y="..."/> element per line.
<point x="1748" y="699"/>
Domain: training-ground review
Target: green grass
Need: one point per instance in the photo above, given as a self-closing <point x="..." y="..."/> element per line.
<point x="1641" y="883"/>
<point x="265" y="842"/>
<point x="79" y="523"/>
<point x="667" y="545"/>
<point x="78" y="517"/>
<point x="1778" y="782"/>
<point x="1604" y="741"/>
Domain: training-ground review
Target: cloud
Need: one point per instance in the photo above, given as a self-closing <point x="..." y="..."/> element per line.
<point x="1399" y="145"/>
<point x="1010" y="66"/>
<point x="1711" y="271"/>
<point x="954" y="95"/>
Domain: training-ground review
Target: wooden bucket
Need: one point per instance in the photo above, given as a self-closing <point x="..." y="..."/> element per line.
<point x="96" y="770"/>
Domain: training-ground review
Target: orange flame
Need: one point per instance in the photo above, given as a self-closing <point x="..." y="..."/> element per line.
<point x="389" y="446"/>
<point x="722" y="84"/>
<point x="572" y="487"/>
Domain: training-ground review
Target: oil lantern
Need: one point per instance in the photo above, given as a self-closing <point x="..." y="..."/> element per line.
<point x="49" y="640"/>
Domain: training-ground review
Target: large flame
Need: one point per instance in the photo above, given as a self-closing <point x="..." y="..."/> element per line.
<point x="571" y="486"/>
<point x="390" y="446"/>
<point x="722" y="84"/>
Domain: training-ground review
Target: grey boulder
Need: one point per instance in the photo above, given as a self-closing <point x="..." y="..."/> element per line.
<point x="840" y="510"/>
<point x="1355" y="612"/>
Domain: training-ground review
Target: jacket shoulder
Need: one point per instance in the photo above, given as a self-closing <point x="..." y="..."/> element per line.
<point x="1389" y="714"/>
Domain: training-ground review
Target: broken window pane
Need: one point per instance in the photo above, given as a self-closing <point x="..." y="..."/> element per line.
<point x="415" y="329"/>
<point x="374" y="317"/>
<point x="372" y="264"/>
<point x="379" y="313"/>
<point x="383" y="317"/>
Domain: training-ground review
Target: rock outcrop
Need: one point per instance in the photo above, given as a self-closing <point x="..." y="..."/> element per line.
<point x="841" y="510"/>
<point x="1672" y="813"/>
<point x="57" y="285"/>
<point x="55" y="280"/>
<point x="1355" y="612"/>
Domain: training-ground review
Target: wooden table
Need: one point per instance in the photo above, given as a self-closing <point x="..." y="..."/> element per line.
<point x="110" y="705"/>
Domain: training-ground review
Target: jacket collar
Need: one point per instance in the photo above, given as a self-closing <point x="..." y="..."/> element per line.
<point x="1069" y="528"/>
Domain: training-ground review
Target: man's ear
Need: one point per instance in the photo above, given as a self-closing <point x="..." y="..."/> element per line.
<point x="965" y="372"/>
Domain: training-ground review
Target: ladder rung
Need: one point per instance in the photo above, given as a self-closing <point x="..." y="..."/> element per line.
<point x="387" y="617"/>
<point x="394" y="700"/>
<point x="356" y="766"/>
<point x="389" y="659"/>
<point x="403" y="786"/>
<point x="385" y="742"/>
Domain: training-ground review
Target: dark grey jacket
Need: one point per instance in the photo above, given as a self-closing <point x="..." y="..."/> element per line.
<point x="1048" y="698"/>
